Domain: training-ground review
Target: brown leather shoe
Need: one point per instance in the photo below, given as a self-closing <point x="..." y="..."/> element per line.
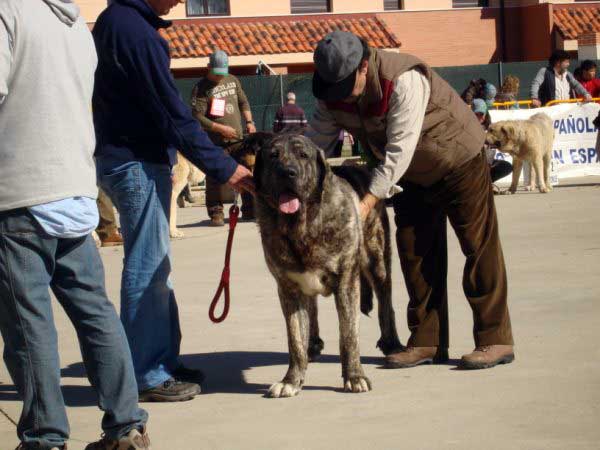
<point x="115" y="239"/>
<point x="413" y="356"/>
<point x="487" y="356"/>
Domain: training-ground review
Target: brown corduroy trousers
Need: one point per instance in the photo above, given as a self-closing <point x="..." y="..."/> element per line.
<point x="466" y="199"/>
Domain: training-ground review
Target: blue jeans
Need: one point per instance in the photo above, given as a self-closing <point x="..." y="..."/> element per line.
<point x="30" y="263"/>
<point x="142" y="194"/>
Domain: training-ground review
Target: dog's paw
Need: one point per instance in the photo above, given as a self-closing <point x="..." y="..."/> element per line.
<point x="544" y="190"/>
<point x="315" y="347"/>
<point x="357" y="384"/>
<point x="176" y="234"/>
<point x="283" y="390"/>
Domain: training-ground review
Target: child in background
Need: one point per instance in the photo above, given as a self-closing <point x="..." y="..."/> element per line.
<point x="509" y="91"/>
<point x="489" y="94"/>
<point x="586" y="75"/>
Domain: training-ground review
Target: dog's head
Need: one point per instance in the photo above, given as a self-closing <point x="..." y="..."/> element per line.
<point x="290" y="173"/>
<point x="503" y="136"/>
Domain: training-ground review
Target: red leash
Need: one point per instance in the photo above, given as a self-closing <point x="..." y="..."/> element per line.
<point x="234" y="213"/>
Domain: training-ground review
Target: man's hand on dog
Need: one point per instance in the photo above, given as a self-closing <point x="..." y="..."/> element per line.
<point x="242" y="180"/>
<point x="366" y="205"/>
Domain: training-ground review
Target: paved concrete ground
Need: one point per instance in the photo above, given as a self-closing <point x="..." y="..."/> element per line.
<point x="548" y="399"/>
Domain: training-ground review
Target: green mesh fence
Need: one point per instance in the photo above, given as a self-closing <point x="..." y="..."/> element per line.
<point x="265" y="93"/>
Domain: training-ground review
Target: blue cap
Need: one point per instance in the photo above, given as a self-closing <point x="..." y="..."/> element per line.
<point x="479" y="106"/>
<point x="219" y="63"/>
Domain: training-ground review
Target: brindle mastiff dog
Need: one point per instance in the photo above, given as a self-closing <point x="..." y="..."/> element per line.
<point x="316" y="244"/>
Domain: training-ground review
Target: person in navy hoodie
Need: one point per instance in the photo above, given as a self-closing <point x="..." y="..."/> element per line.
<point x="140" y="121"/>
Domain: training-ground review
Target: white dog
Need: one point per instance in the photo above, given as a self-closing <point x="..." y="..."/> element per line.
<point x="526" y="140"/>
<point x="184" y="172"/>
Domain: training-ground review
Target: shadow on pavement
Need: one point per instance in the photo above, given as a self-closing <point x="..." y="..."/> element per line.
<point x="225" y="370"/>
<point x="224" y="374"/>
<point x="203" y="223"/>
<point x="75" y="396"/>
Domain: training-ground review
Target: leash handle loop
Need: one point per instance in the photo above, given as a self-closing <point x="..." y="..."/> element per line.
<point x="234" y="213"/>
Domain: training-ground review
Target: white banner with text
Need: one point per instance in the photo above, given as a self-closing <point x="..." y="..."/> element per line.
<point x="574" y="152"/>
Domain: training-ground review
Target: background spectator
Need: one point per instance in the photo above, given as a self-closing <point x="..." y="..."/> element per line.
<point x="489" y="94"/>
<point x="586" y="75"/>
<point x="509" y="91"/>
<point x="475" y="89"/>
<point x="218" y="102"/>
<point x="480" y="109"/>
<point x="555" y="82"/>
<point x="290" y="116"/>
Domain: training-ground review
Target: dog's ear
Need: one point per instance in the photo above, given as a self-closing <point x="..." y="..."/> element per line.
<point x="258" y="168"/>
<point x="258" y="139"/>
<point x="324" y="170"/>
<point x="255" y="144"/>
<point x="508" y="131"/>
<point x="251" y="144"/>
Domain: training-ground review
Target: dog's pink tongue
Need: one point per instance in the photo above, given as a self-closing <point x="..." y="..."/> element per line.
<point x="288" y="204"/>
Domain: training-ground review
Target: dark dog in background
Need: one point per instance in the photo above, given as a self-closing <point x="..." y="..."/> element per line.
<point x="316" y="244"/>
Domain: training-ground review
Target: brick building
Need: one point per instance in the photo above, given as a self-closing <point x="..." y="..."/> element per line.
<point x="282" y="33"/>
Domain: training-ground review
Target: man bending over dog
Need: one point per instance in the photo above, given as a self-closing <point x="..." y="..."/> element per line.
<point x="426" y="147"/>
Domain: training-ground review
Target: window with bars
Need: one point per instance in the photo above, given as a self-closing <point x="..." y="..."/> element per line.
<point x="207" y="8"/>
<point x="391" y="5"/>
<point x="470" y="3"/>
<point x="310" y="6"/>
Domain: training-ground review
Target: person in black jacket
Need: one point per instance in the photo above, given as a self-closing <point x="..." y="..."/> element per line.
<point x="140" y="121"/>
<point x="555" y="82"/>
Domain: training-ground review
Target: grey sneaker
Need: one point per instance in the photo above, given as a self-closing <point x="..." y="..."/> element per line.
<point x="170" y="391"/>
<point x="135" y="440"/>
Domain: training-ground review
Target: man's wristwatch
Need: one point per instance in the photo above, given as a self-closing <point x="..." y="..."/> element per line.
<point x="249" y="121"/>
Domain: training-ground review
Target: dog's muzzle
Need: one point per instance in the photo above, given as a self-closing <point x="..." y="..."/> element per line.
<point x="288" y="200"/>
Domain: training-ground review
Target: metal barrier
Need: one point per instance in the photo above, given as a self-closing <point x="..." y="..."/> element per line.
<point x="572" y="100"/>
<point x="528" y="103"/>
<point x="507" y="105"/>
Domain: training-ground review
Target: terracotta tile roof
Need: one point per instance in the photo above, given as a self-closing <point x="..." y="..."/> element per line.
<point x="195" y="39"/>
<point x="572" y="22"/>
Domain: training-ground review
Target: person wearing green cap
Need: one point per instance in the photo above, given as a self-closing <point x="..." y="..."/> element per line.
<point x="218" y="102"/>
<point x="426" y="149"/>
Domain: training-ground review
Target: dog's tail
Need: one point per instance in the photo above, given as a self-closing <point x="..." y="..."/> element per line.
<point x="366" y="296"/>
